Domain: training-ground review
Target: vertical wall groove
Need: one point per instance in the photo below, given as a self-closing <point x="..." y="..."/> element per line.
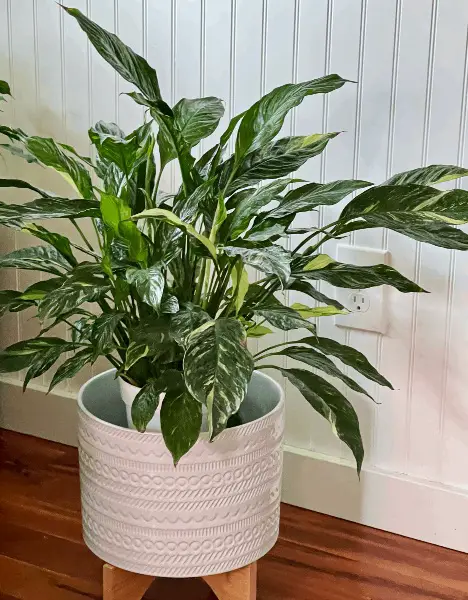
<point x="417" y="269"/>
<point x="232" y="60"/>
<point x="89" y="61"/>
<point x="117" y="80"/>
<point x="360" y="87"/>
<point x="452" y="265"/>
<point x="389" y="170"/>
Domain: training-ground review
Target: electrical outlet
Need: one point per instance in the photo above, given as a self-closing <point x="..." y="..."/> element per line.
<point x="358" y="301"/>
<point x="368" y="309"/>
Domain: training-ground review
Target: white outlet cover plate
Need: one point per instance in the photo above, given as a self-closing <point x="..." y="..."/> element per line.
<point x="375" y="318"/>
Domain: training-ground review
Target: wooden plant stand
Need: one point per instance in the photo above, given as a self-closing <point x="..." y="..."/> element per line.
<point x="240" y="584"/>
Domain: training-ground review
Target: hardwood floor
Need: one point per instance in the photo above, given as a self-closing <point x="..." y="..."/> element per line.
<point x="42" y="556"/>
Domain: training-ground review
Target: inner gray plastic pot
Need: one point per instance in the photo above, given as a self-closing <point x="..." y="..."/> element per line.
<point x="100" y="398"/>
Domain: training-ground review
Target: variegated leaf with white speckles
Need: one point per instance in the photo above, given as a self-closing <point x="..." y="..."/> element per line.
<point x="400" y="202"/>
<point x="430" y="175"/>
<point x="309" y="196"/>
<point x="354" y="277"/>
<point x="272" y="260"/>
<point x="332" y="405"/>
<point x="218" y="368"/>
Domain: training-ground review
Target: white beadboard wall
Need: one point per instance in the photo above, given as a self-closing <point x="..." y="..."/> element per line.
<point x="408" y="108"/>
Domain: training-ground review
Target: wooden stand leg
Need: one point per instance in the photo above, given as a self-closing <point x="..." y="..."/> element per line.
<point x="240" y="584"/>
<point x="124" y="585"/>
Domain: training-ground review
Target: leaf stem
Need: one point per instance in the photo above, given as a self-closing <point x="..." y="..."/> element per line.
<point x="311" y="236"/>
<point x="265" y="350"/>
<point x="156" y="186"/>
<point x="82" y="235"/>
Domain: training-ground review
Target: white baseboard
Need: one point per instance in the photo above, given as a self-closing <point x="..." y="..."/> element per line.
<point x="414" y="508"/>
<point x="419" y="509"/>
<point x="49" y="416"/>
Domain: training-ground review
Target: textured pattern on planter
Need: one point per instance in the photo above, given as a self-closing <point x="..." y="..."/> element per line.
<point x="217" y="511"/>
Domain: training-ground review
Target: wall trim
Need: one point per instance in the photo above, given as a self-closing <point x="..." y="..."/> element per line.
<point x="50" y="416"/>
<point x="415" y="508"/>
<point x="408" y="506"/>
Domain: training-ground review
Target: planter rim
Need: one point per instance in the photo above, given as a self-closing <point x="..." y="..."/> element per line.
<point x="157" y="434"/>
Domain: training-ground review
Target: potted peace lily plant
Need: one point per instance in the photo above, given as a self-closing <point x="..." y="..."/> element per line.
<point x="162" y="291"/>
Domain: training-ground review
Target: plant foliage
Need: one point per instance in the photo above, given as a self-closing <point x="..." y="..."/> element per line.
<point x="173" y="304"/>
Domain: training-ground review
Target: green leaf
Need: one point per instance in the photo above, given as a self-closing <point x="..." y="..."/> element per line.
<point x="172" y="219"/>
<point x="197" y="118"/>
<point x="25" y="354"/>
<point x="263" y="121"/>
<point x="203" y="163"/>
<point x="36" y="258"/>
<point x="70" y="295"/>
<point x="218" y="368"/>
<point x="349" y="356"/>
<point x="42" y="363"/>
<point x="307" y="288"/>
<point x="186" y="208"/>
<point x="149" y="284"/>
<point x="82" y="329"/>
<point x="14" y="134"/>
<point x="102" y="333"/>
<point x="135" y="241"/>
<point x="116" y="214"/>
<point x="50" y="154"/>
<point x="72" y="366"/>
<point x="317" y="360"/>
<point x="48" y="208"/>
<point x="181" y="420"/>
<point x="332" y="405"/>
<point x="114" y="210"/>
<point x="320" y="261"/>
<point x="19" y="183"/>
<point x="308" y="197"/>
<point x="5" y="88"/>
<point x="401" y="202"/>
<point x="189" y="318"/>
<point x="277" y="159"/>
<point x="38" y="290"/>
<point x="272" y="260"/>
<point x="223" y="140"/>
<point x="351" y="276"/>
<point x="249" y="206"/>
<point x="146" y="402"/>
<point x="258" y="331"/>
<point x="428" y="175"/>
<point x="264" y="228"/>
<point x="284" y="318"/>
<point x="127" y="63"/>
<point x="120" y="151"/>
<point x="58" y="241"/>
<point x="317" y="311"/>
<point x="135" y="352"/>
<point x="12" y="301"/>
<point x="280" y="316"/>
<point x="169" y="304"/>
<point x="240" y="285"/>
<point x="18" y="150"/>
<point x="416" y="226"/>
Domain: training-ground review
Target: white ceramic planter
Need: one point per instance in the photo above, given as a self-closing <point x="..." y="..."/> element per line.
<point x="217" y="511"/>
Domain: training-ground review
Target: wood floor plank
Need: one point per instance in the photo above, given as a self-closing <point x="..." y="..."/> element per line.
<point x="49" y="552"/>
<point x="29" y="582"/>
<point x="46" y="518"/>
<point x="42" y="556"/>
